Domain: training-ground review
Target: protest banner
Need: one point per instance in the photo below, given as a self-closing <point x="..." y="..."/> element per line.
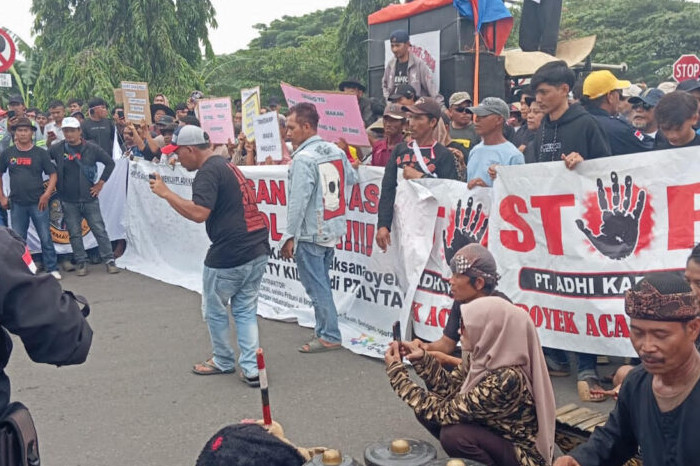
<point x="245" y="93"/>
<point x="339" y="113"/>
<point x="112" y="200"/>
<point x="369" y="294"/>
<point x="268" y="142"/>
<point x="569" y="243"/>
<point x="217" y="120"/>
<point x="249" y="110"/>
<point x="424" y="46"/>
<point x="137" y="105"/>
<point x="462" y="218"/>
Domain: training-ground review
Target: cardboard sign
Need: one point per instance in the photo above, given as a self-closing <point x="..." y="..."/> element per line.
<point x="250" y="109"/>
<point x="136" y="102"/>
<point x="339" y="114"/>
<point x="215" y="117"/>
<point x="268" y="140"/>
<point x="245" y="93"/>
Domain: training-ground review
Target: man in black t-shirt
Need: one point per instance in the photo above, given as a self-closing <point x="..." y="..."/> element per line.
<point x="98" y="127"/>
<point x="29" y="199"/>
<point x="423" y="157"/>
<point x="237" y="257"/>
<point x="474" y="275"/>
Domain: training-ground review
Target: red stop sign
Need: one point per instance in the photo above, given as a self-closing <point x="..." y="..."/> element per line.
<point x="686" y="67"/>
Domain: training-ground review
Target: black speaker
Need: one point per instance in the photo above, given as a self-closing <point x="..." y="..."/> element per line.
<point x="457" y="74"/>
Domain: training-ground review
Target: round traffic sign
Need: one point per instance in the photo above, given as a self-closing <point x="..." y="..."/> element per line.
<point x="686" y="67"/>
<point x="7" y="51"/>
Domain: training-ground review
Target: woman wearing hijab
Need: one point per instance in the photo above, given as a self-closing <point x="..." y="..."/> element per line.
<point x="498" y="406"/>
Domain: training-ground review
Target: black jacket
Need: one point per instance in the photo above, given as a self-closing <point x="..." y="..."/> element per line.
<point x="575" y="131"/>
<point x="34" y="307"/>
<point x="90" y="153"/>
<point x="622" y="137"/>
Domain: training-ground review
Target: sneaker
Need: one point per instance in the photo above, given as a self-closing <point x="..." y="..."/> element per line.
<point x="112" y="267"/>
<point x="56" y="274"/>
<point x="67" y="266"/>
<point x="82" y="269"/>
<point x="251" y="381"/>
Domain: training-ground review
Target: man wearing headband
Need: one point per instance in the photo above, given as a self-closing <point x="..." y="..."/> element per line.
<point x="659" y="403"/>
<point x="473" y="276"/>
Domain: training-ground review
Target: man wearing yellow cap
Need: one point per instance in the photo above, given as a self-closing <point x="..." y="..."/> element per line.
<point x="602" y="92"/>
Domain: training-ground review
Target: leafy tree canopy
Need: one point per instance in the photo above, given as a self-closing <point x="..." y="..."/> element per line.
<point x="291" y="31"/>
<point x="89" y="47"/>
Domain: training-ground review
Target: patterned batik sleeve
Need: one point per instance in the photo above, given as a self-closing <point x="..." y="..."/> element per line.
<point x="495" y="396"/>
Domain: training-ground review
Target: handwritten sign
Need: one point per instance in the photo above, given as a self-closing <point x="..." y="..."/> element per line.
<point x="245" y="93"/>
<point x="136" y="103"/>
<point x="268" y="141"/>
<point x="215" y="117"/>
<point x="339" y="113"/>
<point x="250" y="109"/>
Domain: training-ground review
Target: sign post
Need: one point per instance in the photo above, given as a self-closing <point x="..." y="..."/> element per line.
<point x="686" y="67"/>
<point x="7" y="51"/>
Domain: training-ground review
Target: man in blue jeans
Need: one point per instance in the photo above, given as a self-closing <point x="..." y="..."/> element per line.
<point x="78" y="187"/>
<point x="237" y="257"/>
<point x="29" y="199"/>
<point x="318" y="177"/>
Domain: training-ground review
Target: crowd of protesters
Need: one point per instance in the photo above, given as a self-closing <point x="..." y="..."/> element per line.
<point x="414" y="133"/>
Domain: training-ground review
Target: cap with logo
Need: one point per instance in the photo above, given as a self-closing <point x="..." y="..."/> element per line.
<point x="188" y="135"/>
<point x="400" y="35"/>
<point x="424" y="106"/>
<point x="491" y="106"/>
<point x="404" y="90"/>
<point x="394" y="111"/>
<point x="650" y="97"/>
<point x="70" y="122"/>
<point x="459" y="98"/>
<point x="599" y="83"/>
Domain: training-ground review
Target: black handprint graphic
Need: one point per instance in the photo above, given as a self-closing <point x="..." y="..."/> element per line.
<point x="465" y="233"/>
<point x="619" y="230"/>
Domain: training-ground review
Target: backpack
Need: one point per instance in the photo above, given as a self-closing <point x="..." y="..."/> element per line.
<point x="19" y="445"/>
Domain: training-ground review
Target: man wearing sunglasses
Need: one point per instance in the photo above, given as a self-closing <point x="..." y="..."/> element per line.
<point x="602" y="92"/>
<point x="462" y="129"/>
<point x="643" y="117"/>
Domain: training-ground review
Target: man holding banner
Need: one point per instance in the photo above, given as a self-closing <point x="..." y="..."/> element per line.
<point x="316" y="212"/>
<point x="237" y="257"/>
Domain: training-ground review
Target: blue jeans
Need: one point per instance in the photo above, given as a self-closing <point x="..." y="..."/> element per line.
<point x="314" y="263"/>
<point x="239" y="286"/>
<point x="586" y="363"/>
<point x="20" y="215"/>
<point x="73" y="215"/>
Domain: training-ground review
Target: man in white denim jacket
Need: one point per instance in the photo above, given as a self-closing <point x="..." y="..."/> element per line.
<point x="316" y="212"/>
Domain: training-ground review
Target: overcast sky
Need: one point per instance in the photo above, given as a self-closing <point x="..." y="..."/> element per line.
<point x="235" y="18"/>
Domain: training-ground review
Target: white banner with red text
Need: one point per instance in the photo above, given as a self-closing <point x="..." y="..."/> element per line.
<point x="569" y="243"/>
<point x="369" y="287"/>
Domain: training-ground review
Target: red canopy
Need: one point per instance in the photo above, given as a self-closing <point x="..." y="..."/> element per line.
<point x="394" y="12"/>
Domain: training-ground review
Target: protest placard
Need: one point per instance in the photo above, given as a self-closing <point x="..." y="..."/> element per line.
<point x="245" y="93"/>
<point x="136" y="102"/>
<point x="339" y="113"/>
<point x="216" y="119"/>
<point x="251" y="109"/>
<point x="268" y="141"/>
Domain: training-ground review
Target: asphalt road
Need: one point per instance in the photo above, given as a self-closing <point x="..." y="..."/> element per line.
<point x="136" y="402"/>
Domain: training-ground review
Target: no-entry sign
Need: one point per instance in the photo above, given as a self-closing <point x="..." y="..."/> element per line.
<point x="686" y="67"/>
<point x="7" y="51"/>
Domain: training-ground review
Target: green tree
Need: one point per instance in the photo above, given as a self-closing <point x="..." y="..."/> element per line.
<point x="648" y="35"/>
<point x="291" y="31"/>
<point x="89" y="47"/>
<point x="353" y="35"/>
